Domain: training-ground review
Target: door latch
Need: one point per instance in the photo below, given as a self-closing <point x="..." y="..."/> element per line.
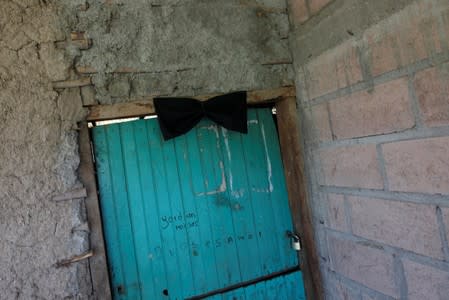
<point x="295" y="240"/>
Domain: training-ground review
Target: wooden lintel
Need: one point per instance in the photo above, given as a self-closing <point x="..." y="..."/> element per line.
<point x="66" y="262"/>
<point x="85" y="70"/>
<point x="126" y="70"/>
<point x="83" y="81"/>
<point x="80" y="44"/>
<point x="73" y="194"/>
<point x="145" y="106"/>
<point x="77" y="35"/>
<point x="120" y="70"/>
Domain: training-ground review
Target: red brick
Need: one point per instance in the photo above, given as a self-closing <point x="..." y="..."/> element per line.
<point x="425" y="282"/>
<point x="409" y="226"/>
<point x="334" y="69"/>
<point x="317" y="5"/>
<point x="432" y="90"/>
<point x="420" y="166"/>
<point x="351" y="166"/>
<point x="298" y="10"/>
<point x="370" y="266"/>
<point x="412" y="40"/>
<point x="320" y="116"/>
<point x="404" y="38"/>
<point x="384" y="110"/>
<point x="336" y="212"/>
<point x="383" y="54"/>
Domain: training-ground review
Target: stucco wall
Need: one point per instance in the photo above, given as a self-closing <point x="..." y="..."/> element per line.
<point x="139" y="48"/>
<point x="190" y="47"/>
<point x="38" y="158"/>
<point x="372" y="80"/>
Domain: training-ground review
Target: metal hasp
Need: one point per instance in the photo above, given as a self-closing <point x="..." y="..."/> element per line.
<point x="295" y="240"/>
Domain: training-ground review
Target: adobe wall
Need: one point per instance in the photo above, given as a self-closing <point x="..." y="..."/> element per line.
<point x="372" y="81"/>
<point x="47" y="77"/>
<point x="38" y="157"/>
<point x="143" y="48"/>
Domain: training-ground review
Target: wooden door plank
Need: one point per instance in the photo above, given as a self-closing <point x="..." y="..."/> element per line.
<point x="123" y="223"/>
<point x="293" y="157"/>
<point x="83" y="81"/>
<point x="216" y="297"/>
<point x="279" y="194"/>
<point x="137" y="218"/>
<point x="294" y="290"/>
<point x="144" y="106"/>
<point x="284" y="287"/>
<point x="258" y="190"/>
<point x="235" y="295"/>
<point x="190" y="224"/>
<point x="108" y="208"/>
<point x="212" y="161"/>
<point x="199" y="180"/>
<point x="176" y="203"/>
<point x="239" y="203"/>
<point x="98" y="263"/>
<point x="163" y="194"/>
<point x="256" y="291"/>
<point x="277" y="288"/>
<point x="150" y="206"/>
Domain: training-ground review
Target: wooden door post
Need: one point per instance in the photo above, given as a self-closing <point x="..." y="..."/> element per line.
<point x="293" y="158"/>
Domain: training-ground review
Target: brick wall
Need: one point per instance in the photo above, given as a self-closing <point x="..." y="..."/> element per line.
<point x="374" y="108"/>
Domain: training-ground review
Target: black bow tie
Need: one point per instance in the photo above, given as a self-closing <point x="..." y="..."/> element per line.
<point x="178" y="115"/>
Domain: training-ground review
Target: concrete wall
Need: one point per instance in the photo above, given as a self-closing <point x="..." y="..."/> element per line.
<point x="140" y="48"/>
<point x="372" y="79"/>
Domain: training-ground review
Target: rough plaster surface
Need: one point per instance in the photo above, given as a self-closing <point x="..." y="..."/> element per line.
<point x="170" y="47"/>
<point x="38" y="158"/>
<point x="186" y="47"/>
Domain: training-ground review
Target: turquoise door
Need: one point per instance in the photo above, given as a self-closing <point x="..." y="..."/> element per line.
<point x="203" y="215"/>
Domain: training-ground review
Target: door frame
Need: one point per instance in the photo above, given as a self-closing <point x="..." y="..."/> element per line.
<point x="292" y="150"/>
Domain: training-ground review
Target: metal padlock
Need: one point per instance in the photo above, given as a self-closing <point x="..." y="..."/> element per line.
<point x="295" y="240"/>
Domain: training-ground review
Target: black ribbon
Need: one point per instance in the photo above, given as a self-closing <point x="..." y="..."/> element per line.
<point x="178" y="115"/>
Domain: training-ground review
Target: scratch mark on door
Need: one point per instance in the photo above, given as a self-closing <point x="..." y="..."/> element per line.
<point x="228" y="152"/>
<point x="269" y="169"/>
<point x="221" y="188"/>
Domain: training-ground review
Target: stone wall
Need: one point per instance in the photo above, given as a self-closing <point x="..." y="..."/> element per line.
<point x="372" y="79"/>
